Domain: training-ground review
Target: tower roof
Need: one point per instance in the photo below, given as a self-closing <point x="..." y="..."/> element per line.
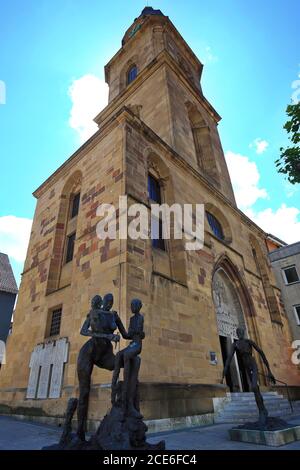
<point x="150" y="11"/>
<point x="138" y="22"/>
<point x="7" y="278"/>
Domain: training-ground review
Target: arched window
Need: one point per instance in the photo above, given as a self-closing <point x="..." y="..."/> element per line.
<point x="154" y="194"/>
<point x="261" y="261"/>
<point x="131" y="74"/>
<point x="215" y="226"/>
<point x="60" y="270"/>
<point x="203" y="142"/>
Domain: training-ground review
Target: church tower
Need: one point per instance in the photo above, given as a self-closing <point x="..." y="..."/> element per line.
<point x="157" y="142"/>
<point x="158" y="74"/>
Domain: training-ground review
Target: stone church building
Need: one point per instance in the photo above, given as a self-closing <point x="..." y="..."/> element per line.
<point x="157" y="141"/>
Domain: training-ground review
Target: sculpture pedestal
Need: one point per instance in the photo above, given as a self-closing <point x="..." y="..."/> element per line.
<point x="117" y="431"/>
<point x="276" y="433"/>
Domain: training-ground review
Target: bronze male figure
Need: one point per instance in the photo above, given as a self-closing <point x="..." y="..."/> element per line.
<point x="245" y="348"/>
<point x="129" y="359"/>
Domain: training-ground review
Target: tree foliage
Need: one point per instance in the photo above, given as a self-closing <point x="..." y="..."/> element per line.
<point x="289" y="161"/>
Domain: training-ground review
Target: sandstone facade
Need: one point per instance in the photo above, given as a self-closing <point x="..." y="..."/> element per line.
<point x="160" y="124"/>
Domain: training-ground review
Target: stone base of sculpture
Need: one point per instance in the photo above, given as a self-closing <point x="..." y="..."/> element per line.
<point x="276" y="432"/>
<point x="117" y="431"/>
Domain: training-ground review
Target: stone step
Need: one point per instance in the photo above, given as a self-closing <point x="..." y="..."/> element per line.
<point x="253" y="403"/>
<point x="277" y="406"/>
<point x="245" y="414"/>
<point x="239" y="421"/>
<point x="252" y="397"/>
<point x="283" y="410"/>
<point x="242" y="407"/>
<point x="245" y="418"/>
<point x="245" y="394"/>
<point x="254" y="407"/>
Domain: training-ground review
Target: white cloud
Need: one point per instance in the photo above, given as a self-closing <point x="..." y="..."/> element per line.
<point x="207" y="56"/>
<point x="290" y="190"/>
<point x="260" y="145"/>
<point x="14" y="236"/>
<point x="284" y="222"/>
<point x="245" y="180"/>
<point x="89" y="95"/>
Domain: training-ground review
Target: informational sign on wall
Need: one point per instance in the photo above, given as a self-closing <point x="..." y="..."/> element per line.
<point x="2" y="352"/>
<point x="46" y="369"/>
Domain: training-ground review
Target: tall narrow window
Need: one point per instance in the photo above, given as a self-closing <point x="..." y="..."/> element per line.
<point x="60" y="272"/>
<point x="154" y="193"/>
<point x="157" y="234"/>
<point x="131" y="74"/>
<point x="154" y="189"/>
<point x="75" y="205"/>
<point x="297" y="313"/>
<point x="260" y="258"/>
<point x="203" y="141"/>
<point x="70" y="247"/>
<point x="55" y="322"/>
<point x="291" y="275"/>
<point x="215" y="226"/>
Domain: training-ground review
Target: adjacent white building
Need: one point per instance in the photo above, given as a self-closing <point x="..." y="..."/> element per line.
<point x="286" y="264"/>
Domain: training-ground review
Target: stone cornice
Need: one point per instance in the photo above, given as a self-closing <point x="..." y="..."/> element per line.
<point x="163" y="58"/>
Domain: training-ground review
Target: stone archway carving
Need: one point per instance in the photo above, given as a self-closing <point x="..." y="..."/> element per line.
<point x="228" y="307"/>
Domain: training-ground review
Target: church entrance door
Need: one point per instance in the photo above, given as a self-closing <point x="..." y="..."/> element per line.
<point x="230" y="316"/>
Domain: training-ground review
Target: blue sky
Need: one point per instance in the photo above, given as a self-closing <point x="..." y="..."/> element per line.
<point x="52" y="55"/>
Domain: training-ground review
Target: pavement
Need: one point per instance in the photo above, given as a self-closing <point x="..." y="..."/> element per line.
<point x="23" y="435"/>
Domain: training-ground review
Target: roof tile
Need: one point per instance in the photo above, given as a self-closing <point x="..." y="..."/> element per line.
<point x="7" y="278"/>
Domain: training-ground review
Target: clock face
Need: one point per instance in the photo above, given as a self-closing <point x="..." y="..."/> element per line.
<point x="134" y="30"/>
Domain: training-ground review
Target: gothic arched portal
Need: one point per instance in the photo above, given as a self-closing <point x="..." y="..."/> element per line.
<point x="229" y="316"/>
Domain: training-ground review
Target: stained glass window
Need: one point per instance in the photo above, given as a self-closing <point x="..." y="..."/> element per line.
<point x="132" y="74"/>
<point x="215" y="226"/>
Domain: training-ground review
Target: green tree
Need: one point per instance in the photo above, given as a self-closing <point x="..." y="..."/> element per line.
<point x="289" y="161"/>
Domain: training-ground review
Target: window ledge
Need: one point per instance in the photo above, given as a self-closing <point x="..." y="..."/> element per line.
<point x="58" y="289"/>
<point x="225" y="241"/>
<point x="49" y="339"/>
<point x="171" y="279"/>
<point x="277" y="322"/>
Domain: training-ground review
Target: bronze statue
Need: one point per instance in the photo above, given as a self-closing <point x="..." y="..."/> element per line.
<point x="130" y="360"/>
<point x="100" y="324"/>
<point x="245" y="348"/>
<point x="122" y="428"/>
